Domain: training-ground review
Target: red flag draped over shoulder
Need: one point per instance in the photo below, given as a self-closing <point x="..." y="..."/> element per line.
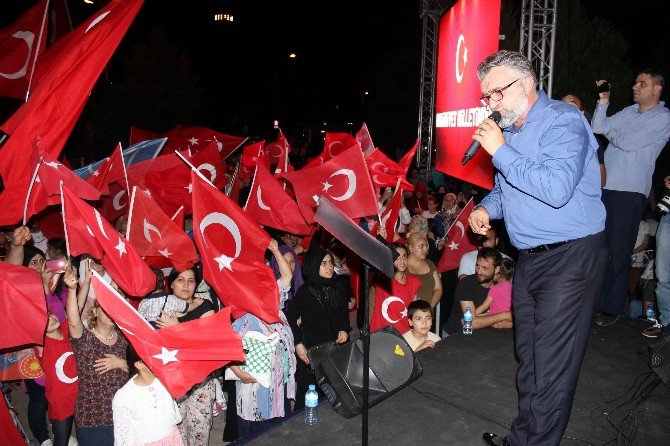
<point x="344" y="180"/>
<point x="70" y="70"/>
<point x="181" y="355"/>
<point x="22" y="305"/>
<point x="270" y="205"/>
<point x="153" y="233"/>
<point x="460" y="240"/>
<point x="20" y="44"/>
<point x="87" y="232"/>
<point x="232" y="247"/>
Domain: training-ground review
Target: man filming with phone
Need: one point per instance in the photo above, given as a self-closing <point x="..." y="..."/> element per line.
<point x="636" y="135"/>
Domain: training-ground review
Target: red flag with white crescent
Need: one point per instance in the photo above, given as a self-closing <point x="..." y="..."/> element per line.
<point x="391" y="301"/>
<point x="270" y="205"/>
<point x="344" y="180"/>
<point x="365" y="140"/>
<point x="153" y="233"/>
<point x="87" y="232"/>
<point x="233" y="246"/>
<point x="181" y="355"/>
<point x="460" y="240"/>
<point x="278" y="150"/>
<point x="385" y="172"/>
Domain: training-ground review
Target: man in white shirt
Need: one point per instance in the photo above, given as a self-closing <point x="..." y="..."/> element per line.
<point x="468" y="261"/>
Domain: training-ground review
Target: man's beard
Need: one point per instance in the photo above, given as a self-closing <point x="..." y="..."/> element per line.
<point x="510" y="116"/>
<point x="485" y="280"/>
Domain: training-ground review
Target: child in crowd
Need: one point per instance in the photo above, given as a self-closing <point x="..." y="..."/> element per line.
<point x="420" y="315"/>
<point x="499" y="298"/>
<point x="144" y="412"/>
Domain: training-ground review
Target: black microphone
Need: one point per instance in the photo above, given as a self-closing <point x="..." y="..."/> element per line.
<point x="472" y="150"/>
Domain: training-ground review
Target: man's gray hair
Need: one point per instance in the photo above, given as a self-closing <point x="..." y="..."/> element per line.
<point x="510" y="59"/>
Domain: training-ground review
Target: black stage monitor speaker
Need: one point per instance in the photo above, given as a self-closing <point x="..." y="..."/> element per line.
<point x="392" y="367"/>
<point x="659" y="355"/>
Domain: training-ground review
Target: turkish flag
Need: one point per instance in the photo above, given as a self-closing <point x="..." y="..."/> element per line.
<point x="385" y="172"/>
<point x="172" y="188"/>
<point x="46" y="188"/>
<point x="181" y="355"/>
<point x="87" y="232"/>
<point x="138" y="135"/>
<point x="252" y="154"/>
<point x="112" y="170"/>
<point x="334" y="144"/>
<point x="55" y="105"/>
<point x="20" y="44"/>
<point x="278" y="150"/>
<point x="407" y="159"/>
<point x="22" y="304"/>
<point x="390" y="216"/>
<point x="195" y="139"/>
<point x="270" y="205"/>
<point x="344" y="180"/>
<point x="116" y="204"/>
<point x="365" y="140"/>
<point x="468" y="34"/>
<point x="460" y="240"/>
<point x="233" y="247"/>
<point x="153" y="233"/>
<point x="391" y="301"/>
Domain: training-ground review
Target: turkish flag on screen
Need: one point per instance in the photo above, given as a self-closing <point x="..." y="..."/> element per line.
<point x="20" y="43"/>
<point x="181" y="355"/>
<point x="233" y="247"/>
<point x="469" y="33"/>
<point x="460" y="240"/>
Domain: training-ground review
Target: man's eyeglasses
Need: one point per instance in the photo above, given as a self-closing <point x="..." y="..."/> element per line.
<point x="496" y="95"/>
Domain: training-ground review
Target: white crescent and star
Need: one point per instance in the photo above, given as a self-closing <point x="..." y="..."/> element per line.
<point x="385" y="308"/>
<point x="29" y="38"/>
<point x="459" y="72"/>
<point x="148" y="228"/>
<point x="351" y="186"/>
<point x="223" y="260"/>
<point x="259" y="197"/>
<point x="60" y="369"/>
<point x="453" y="245"/>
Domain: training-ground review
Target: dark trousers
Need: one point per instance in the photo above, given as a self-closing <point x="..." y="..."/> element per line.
<point x="304" y="376"/>
<point x="95" y="436"/>
<point x="553" y="296"/>
<point x="62" y="430"/>
<point x="624" y="211"/>
<point x="37" y="411"/>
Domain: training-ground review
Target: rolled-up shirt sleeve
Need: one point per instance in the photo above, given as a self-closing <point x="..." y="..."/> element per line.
<point x="493" y="202"/>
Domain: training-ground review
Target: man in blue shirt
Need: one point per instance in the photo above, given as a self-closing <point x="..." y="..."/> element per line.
<point x="547" y="190"/>
<point x="637" y="134"/>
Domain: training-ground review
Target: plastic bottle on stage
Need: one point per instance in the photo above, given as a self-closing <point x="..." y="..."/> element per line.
<point x="651" y="314"/>
<point x="467" y="321"/>
<point x="311" y="406"/>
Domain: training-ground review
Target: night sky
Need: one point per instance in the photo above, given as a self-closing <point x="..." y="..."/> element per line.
<point x="343" y="49"/>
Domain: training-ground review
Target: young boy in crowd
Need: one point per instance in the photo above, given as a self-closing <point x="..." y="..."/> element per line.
<point x="420" y="315"/>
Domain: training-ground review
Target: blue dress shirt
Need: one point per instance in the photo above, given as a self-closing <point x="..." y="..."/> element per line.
<point x="547" y="188"/>
<point x="636" y="140"/>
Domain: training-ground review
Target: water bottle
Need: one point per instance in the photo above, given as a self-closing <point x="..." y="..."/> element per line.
<point x="651" y="314"/>
<point x="311" y="403"/>
<point x="467" y="321"/>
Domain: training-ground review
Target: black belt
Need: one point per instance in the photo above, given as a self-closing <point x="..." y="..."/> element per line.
<point x="544" y="248"/>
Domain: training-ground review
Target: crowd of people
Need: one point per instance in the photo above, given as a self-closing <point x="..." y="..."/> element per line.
<point x="97" y="388"/>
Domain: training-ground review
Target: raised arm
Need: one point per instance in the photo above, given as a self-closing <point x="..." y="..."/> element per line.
<point x="71" y="307"/>
<point x="19" y="238"/>
<point x="284" y="269"/>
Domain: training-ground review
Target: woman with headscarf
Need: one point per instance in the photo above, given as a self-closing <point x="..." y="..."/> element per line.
<point x="322" y="311"/>
<point x="294" y="265"/>
<point x="450" y="209"/>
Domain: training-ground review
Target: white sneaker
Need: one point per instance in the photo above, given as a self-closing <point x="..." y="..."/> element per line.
<point x="47" y="442"/>
<point x="72" y="442"/>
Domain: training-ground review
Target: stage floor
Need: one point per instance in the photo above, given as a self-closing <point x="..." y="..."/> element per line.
<point x="468" y="388"/>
